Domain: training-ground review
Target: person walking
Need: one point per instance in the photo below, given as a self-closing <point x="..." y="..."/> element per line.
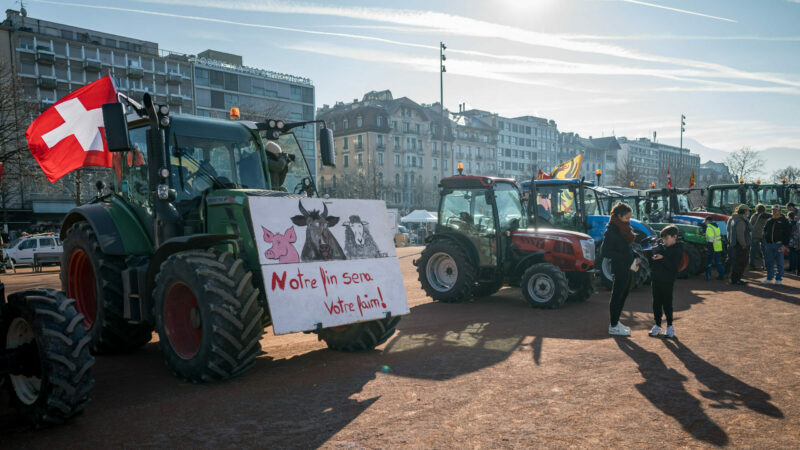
<point x="777" y="233"/>
<point x="713" y="250"/>
<point x="617" y="241"/>
<point x="794" y="243"/>
<point x="739" y="234"/>
<point x="666" y="260"/>
<point x="757" y="221"/>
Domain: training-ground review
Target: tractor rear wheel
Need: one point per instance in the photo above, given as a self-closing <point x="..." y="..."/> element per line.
<point x="580" y="286"/>
<point x="54" y="364"/>
<point x="605" y="272"/>
<point x="694" y="262"/>
<point x="94" y="280"/>
<point x="487" y="288"/>
<point x="545" y="286"/>
<point x="359" y="337"/>
<point x="446" y="272"/>
<point x="208" y="317"/>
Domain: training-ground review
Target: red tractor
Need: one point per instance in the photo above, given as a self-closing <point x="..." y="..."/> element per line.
<point x="482" y="241"/>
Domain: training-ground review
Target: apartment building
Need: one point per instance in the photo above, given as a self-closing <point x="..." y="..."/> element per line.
<point x="644" y="162"/>
<point x="598" y="153"/>
<point x="475" y="142"/>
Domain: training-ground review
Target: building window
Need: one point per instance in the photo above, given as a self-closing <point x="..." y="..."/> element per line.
<point x="359" y="121"/>
<point x="394" y="125"/>
<point x="379" y="121"/>
<point x="397" y="160"/>
<point x="405" y="127"/>
<point x="333" y="182"/>
<point x="359" y="142"/>
<point x="419" y="144"/>
<point x="346" y="161"/>
<point x="380" y="158"/>
<point x="435" y="163"/>
<point x="345" y="124"/>
<point x="416" y="128"/>
<point x="444" y="164"/>
<point x="360" y="160"/>
<point x="397" y="142"/>
<point x="380" y="140"/>
<point x="345" y="143"/>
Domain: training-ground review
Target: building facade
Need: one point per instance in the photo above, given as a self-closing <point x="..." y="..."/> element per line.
<point x="526" y="144"/>
<point x="386" y="148"/>
<point x="475" y="142"/>
<point x="644" y="162"/>
<point x="598" y="154"/>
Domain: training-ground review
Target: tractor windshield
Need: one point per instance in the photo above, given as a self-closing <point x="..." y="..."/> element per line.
<point x="769" y="195"/>
<point x="683" y="205"/>
<point x="556" y="205"/>
<point x="728" y="198"/>
<point x="468" y="210"/>
<point x="298" y="170"/>
<point x="509" y="207"/>
<point x="202" y="163"/>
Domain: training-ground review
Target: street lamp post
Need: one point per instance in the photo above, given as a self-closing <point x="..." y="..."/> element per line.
<point x="683" y="128"/>
<point x="442" y="70"/>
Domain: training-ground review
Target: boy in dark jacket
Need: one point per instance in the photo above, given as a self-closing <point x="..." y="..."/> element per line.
<point x="666" y="261"/>
<point x="777" y="233"/>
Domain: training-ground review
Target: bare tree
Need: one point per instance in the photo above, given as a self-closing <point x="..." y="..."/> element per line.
<point x="745" y="163"/>
<point x="791" y="173"/>
<point x="626" y="172"/>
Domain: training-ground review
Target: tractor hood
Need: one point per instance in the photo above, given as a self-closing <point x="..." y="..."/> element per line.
<point x="550" y="233"/>
<point x="687" y="220"/>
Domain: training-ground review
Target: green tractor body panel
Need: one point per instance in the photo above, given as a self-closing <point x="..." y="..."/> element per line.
<point x="229" y="213"/>
<point x="137" y="239"/>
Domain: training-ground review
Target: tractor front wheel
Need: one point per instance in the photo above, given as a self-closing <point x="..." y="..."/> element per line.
<point x="359" y="337"/>
<point x="446" y="272"/>
<point x="208" y="317"/>
<point x="52" y="378"/>
<point x="545" y="286"/>
<point x="94" y="280"/>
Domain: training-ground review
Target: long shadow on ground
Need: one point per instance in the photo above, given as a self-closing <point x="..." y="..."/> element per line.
<point x="664" y="388"/>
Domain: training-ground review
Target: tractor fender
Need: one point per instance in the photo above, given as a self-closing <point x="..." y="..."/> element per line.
<point x="465" y="243"/>
<point x="179" y="244"/>
<point x="99" y="217"/>
<point x="527" y="261"/>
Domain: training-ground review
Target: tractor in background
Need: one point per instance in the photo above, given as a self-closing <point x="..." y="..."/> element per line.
<point x="483" y="240"/>
<point x="45" y="363"/>
<point x="172" y="246"/>
<point x="573" y="204"/>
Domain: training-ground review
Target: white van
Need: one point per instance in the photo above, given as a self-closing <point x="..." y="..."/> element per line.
<point x="21" y="251"/>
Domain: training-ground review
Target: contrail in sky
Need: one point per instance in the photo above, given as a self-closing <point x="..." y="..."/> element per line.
<point x="679" y="10"/>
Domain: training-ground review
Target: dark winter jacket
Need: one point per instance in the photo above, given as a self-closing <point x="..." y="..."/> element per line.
<point x="778" y="231"/>
<point x="666" y="269"/>
<point x="617" y="248"/>
<point x="757" y="221"/>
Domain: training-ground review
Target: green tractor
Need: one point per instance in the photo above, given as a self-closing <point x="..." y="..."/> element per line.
<point x="172" y="246"/>
<point x="724" y="198"/>
<point x="482" y="241"/>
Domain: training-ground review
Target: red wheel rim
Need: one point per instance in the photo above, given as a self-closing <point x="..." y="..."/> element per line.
<point x="684" y="262"/>
<point x="182" y="321"/>
<point x="82" y="287"/>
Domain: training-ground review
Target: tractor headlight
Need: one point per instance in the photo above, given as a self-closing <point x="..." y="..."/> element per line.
<point x="163" y="191"/>
<point x="587" y="247"/>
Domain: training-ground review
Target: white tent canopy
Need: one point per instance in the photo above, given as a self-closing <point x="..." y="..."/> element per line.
<point x="420" y="216"/>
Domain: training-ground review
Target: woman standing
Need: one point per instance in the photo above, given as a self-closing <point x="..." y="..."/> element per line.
<point x="617" y="242"/>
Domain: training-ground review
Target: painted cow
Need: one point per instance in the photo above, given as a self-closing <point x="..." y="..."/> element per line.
<point x="358" y="242"/>
<point x="320" y="244"/>
<point x="282" y="248"/>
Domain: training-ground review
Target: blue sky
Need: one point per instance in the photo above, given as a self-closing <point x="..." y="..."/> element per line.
<point x="597" y="67"/>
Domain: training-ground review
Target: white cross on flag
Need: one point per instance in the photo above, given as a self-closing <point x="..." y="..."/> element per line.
<point x="70" y="134"/>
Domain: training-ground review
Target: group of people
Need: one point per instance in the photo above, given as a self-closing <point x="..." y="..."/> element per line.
<point x="763" y="236"/>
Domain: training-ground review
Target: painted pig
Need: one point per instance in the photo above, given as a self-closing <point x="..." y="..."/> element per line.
<point x="282" y="248"/>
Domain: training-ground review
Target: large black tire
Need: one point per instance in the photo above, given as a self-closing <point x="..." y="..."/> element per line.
<point x="94" y="280"/>
<point x="359" y="337"/>
<point x="604" y="272"/>
<point x="644" y="275"/>
<point x="53" y="384"/>
<point x="686" y="266"/>
<point x="208" y="316"/>
<point x="544" y="286"/>
<point x="697" y="258"/>
<point x="580" y="286"/>
<point x="446" y="272"/>
<point x="485" y="289"/>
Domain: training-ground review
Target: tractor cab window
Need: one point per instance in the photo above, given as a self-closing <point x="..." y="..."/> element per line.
<point x="468" y="211"/>
<point x="593" y="205"/>
<point x="298" y="168"/>
<point x="509" y="207"/>
<point x="556" y="205"/>
<point x="131" y="169"/>
<point x="769" y="196"/>
<point x="198" y="164"/>
<point x="683" y="205"/>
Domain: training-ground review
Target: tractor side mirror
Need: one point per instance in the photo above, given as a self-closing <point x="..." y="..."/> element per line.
<point x="326" y="149"/>
<point x="116" y="127"/>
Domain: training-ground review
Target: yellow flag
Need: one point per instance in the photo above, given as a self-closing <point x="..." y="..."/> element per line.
<point x="691" y="180"/>
<point x="569" y="169"/>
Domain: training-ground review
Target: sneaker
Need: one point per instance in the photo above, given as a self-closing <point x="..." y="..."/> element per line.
<point x="619" y="330"/>
<point x="670" y="332"/>
<point x="777" y="281"/>
<point x="767" y="281"/>
<point x="655" y="331"/>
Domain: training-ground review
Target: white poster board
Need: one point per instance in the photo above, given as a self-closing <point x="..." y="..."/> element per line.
<point x="330" y="262"/>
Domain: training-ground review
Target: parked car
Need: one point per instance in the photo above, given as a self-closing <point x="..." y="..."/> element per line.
<point x="20" y="252"/>
<point x="403" y="237"/>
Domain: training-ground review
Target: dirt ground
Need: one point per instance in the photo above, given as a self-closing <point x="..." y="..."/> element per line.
<point x="490" y="373"/>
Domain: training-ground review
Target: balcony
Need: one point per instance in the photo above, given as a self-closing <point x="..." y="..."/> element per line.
<point x="47" y="82"/>
<point x="92" y="65"/>
<point x="174" y="99"/>
<point x="135" y="72"/>
<point x="381" y="146"/>
<point x="434" y="152"/>
<point x="359" y="146"/>
<point x="45" y="56"/>
<point x="174" y="78"/>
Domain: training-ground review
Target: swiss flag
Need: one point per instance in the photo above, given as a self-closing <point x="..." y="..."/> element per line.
<point x="70" y="134"/>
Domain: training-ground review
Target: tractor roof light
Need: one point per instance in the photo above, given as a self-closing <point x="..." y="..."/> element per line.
<point x="631" y="184"/>
<point x="460" y="169"/>
<point x="758" y="181"/>
<point x="235" y="113"/>
<point x="598" y="172"/>
<point x="783" y="180"/>
<point x="652" y="185"/>
<point x="741" y="180"/>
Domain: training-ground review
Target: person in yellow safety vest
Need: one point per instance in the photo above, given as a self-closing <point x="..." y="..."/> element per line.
<point x="713" y="249"/>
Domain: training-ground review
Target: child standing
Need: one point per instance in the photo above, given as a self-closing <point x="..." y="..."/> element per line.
<point x="666" y="261"/>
